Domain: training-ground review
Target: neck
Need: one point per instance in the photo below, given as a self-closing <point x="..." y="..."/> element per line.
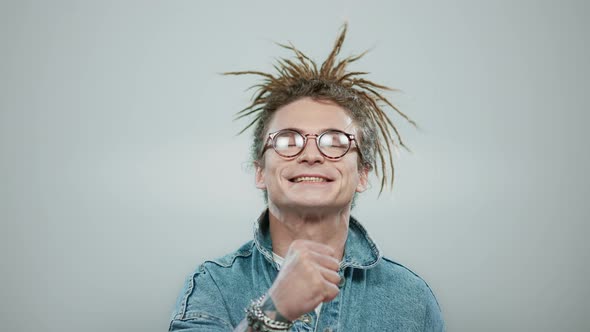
<point x="330" y="228"/>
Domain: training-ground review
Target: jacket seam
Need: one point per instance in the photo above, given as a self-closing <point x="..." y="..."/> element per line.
<point x="374" y="248"/>
<point x="415" y="274"/>
<point x="220" y="293"/>
<point x="198" y="315"/>
<point x="189" y="291"/>
<point x="238" y="254"/>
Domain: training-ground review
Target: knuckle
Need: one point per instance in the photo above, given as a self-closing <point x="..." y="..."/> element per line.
<point x="330" y="250"/>
<point x="317" y="281"/>
<point x="309" y="268"/>
<point x="335" y="265"/>
<point x="335" y="276"/>
<point x="332" y="292"/>
<point x="305" y="255"/>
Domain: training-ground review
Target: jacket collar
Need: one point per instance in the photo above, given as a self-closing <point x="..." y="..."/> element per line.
<point x="359" y="252"/>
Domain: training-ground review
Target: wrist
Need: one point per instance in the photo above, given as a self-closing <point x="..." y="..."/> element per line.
<point x="263" y="316"/>
<point x="277" y="300"/>
<point x="269" y="307"/>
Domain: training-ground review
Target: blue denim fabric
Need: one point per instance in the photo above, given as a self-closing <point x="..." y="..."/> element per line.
<point x="376" y="294"/>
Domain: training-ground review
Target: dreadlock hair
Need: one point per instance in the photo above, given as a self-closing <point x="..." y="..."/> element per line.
<point x="300" y="77"/>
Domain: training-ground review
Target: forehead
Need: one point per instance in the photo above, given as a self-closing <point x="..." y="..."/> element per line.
<point x="311" y="116"/>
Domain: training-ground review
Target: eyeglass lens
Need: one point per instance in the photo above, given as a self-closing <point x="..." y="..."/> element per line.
<point x="333" y="144"/>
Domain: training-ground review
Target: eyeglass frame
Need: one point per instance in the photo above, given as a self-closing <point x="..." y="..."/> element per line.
<point x="271" y="136"/>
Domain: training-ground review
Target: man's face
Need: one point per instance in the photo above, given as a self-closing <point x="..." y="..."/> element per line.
<point x="328" y="185"/>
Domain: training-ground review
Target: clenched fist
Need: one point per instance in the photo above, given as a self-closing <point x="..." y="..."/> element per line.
<point x="308" y="277"/>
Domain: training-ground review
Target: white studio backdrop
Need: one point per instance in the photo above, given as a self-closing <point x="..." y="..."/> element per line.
<point x="121" y="170"/>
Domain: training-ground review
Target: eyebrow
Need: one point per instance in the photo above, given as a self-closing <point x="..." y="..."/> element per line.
<point x="319" y="131"/>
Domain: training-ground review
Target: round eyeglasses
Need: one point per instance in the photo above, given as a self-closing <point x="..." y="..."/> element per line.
<point x="288" y="143"/>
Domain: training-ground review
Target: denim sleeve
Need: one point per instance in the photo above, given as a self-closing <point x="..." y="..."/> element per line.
<point x="200" y="306"/>
<point x="433" y="320"/>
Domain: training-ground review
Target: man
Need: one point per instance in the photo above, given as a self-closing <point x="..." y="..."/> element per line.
<point x="311" y="266"/>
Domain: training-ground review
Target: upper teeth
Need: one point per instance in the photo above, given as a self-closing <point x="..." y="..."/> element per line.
<point x="309" y="178"/>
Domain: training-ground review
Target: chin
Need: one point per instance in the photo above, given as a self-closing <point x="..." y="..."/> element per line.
<point x="318" y="203"/>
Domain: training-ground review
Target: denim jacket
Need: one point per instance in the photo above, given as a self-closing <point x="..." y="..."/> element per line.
<point x="376" y="294"/>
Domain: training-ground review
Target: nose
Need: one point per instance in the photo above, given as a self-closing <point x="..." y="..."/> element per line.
<point x="311" y="154"/>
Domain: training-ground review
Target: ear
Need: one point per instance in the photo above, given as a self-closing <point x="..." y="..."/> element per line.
<point x="259" y="177"/>
<point x="363" y="180"/>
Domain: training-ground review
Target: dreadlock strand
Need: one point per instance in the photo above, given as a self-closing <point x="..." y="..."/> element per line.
<point x="364" y="82"/>
<point x="248" y="72"/>
<point x="346" y="76"/>
<point x="252" y="111"/>
<point x="250" y="124"/>
<point x="375" y="110"/>
<point x="294" y="69"/>
<point x="384" y="174"/>
<point x="338" y="69"/>
<point x="303" y="59"/>
<point x="327" y="65"/>
<point x="258" y="96"/>
<point x="367" y="86"/>
<point x="252" y="105"/>
<point x="354" y="58"/>
<point x="384" y="132"/>
<point x="378" y="152"/>
<point x="302" y="68"/>
<point x="244" y="110"/>
<point x="279" y="70"/>
<point x="346" y="61"/>
<point x="385" y="100"/>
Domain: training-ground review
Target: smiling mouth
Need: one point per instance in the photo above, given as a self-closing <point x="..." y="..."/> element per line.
<point x="309" y="179"/>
